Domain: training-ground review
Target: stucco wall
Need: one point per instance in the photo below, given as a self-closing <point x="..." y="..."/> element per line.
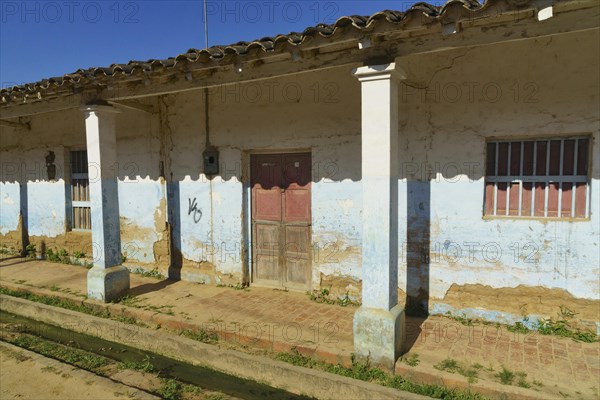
<point x="315" y="112"/>
<point x="452" y="102"/>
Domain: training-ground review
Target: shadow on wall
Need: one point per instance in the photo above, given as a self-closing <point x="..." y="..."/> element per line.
<point x="23" y="220"/>
<point x="418" y="233"/>
<point x="173" y="196"/>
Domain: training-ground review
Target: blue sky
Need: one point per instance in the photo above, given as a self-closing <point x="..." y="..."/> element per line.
<point x="42" y="39"/>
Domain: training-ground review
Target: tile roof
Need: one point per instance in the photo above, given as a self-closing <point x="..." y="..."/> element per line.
<point x="421" y="13"/>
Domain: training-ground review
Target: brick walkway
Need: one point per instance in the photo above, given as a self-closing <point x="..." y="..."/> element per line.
<point x="277" y="320"/>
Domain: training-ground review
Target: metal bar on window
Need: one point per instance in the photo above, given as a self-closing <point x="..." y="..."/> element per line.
<point x="560" y="184"/>
<point x="587" y="187"/>
<point x="538" y="177"/>
<point x="508" y="166"/>
<point x="546" y="186"/>
<point x="496" y="184"/>
<point x="521" y="181"/>
<point x="587" y="201"/>
<point x="534" y="172"/>
<point x="549" y="179"/>
<point x="574" y="185"/>
<point x="80" y="191"/>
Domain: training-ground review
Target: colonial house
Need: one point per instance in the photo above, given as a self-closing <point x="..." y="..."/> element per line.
<point x="442" y="159"/>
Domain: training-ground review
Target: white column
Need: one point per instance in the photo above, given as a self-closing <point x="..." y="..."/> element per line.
<point x="379" y="323"/>
<point x="107" y="280"/>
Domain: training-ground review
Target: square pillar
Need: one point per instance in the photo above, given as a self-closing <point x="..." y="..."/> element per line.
<point x="379" y="322"/>
<point x="107" y="280"/>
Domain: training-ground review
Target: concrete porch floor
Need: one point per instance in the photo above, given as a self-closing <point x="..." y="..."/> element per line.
<point x="260" y="318"/>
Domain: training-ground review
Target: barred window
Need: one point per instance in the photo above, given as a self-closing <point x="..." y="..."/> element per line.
<point x="538" y="178"/>
<point x="80" y="191"/>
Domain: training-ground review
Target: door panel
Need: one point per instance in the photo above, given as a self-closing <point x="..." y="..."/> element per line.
<point x="297" y="206"/>
<point x="281" y="219"/>
<point x="297" y="256"/>
<point x="267" y="204"/>
<point x="266" y="250"/>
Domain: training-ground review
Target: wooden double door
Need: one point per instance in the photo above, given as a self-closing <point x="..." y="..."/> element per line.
<point x="281" y="219"/>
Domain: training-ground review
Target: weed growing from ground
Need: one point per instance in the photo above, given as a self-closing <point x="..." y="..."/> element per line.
<point x="170" y="390"/>
<point x="518" y="327"/>
<point x="77" y="357"/>
<point x="145" y="365"/>
<point x="70" y="305"/>
<point x="506" y="376"/>
<point x="558" y="327"/>
<point x="148" y="274"/>
<point x="364" y="372"/>
<point x="78" y="254"/>
<point x="136" y="302"/>
<point x="237" y="286"/>
<point x="323" y="296"/>
<point x="521" y="380"/>
<point x="413" y="360"/>
<point x="448" y="365"/>
<point x="452" y="366"/>
<point x="30" y="250"/>
<point x="201" y="335"/>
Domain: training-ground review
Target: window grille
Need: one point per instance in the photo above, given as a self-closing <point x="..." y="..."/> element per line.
<point x="80" y="191"/>
<point x="538" y="178"/>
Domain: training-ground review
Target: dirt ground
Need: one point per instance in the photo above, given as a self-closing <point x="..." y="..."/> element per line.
<point x="27" y="375"/>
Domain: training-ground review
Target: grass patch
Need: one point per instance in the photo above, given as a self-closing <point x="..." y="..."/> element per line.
<point x="70" y="305"/>
<point x="128" y="320"/>
<point x="506" y="376"/>
<point x="170" y="389"/>
<point x="145" y="365"/>
<point x="364" y="372"/>
<point x="130" y="301"/>
<point x="62" y="256"/>
<point x="30" y="250"/>
<point x="452" y="366"/>
<point x="463" y="319"/>
<point x="56" y="302"/>
<point x="448" y="365"/>
<point x="136" y="302"/>
<point x="215" y="397"/>
<point x="521" y="380"/>
<point x="561" y="326"/>
<point x="78" y="254"/>
<point x="201" y="335"/>
<point x="161" y="309"/>
<point x="413" y="360"/>
<point x="154" y="273"/>
<point x="518" y="327"/>
<point x="323" y="296"/>
<point x="79" y="358"/>
<point x="237" y="286"/>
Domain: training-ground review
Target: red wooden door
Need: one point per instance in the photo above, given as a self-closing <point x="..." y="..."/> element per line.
<point x="281" y="219"/>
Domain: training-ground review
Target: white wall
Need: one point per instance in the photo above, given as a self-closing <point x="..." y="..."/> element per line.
<point x="548" y="87"/>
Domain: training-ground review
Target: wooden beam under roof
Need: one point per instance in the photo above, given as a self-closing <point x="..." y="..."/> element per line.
<point x="493" y="29"/>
